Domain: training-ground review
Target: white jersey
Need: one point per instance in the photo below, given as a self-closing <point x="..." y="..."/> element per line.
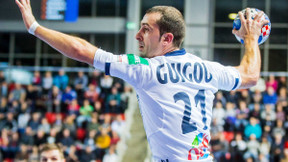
<point x="175" y="94"/>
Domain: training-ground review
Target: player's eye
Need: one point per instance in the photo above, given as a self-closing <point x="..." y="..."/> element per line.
<point x="145" y="29"/>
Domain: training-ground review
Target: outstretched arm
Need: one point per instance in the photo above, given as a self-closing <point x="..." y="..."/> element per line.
<point x="70" y="46"/>
<point x="250" y="31"/>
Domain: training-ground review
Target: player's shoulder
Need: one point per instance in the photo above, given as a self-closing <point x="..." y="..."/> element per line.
<point x="133" y="59"/>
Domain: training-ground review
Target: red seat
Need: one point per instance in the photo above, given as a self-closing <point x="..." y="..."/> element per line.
<point x="80" y="134"/>
<point x="51" y="117"/>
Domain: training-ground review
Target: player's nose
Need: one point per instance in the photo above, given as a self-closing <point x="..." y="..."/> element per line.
<point x="138" y="36"/>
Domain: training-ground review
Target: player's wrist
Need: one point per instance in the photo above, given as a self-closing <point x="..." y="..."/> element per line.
<point x="251" y="37"/>
<point x="33" y="27"/>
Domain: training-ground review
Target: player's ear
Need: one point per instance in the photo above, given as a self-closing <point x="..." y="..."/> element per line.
<point x="167" y="38"/>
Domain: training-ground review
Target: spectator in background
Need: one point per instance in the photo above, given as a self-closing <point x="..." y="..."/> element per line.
<point x="80" y="84"/>
<point x="230" y="116"/>
<point x="245" y="96"/>
<point x="45" y="126"/>
<point x="22" y="154"/>
<point x="93" y="124"/>
<point x="67" y="139"/>
<point x="260" y="86"/>
<point x="255" y="111"/>
<point x="47" y="82"/>
<point x="253" y="128"/>
<point x="268" y="115"/>
<point x="285" y="157"/>
<point x="242" y="115"/>
<point x="252" y="148"/>
<point x="24" y="108"/>
<point x="272" y="82"/>
<point x="67" y="97"/>
<point x="27" y="137"/>
<point x="90" y="139"/>
<point x="61" y="80"/>
<point x="14" y="142"/>
<point x="72" y="154"/>
<point x="92" y="93"/>
<point x="88" y="155"/>
<point x="9" y="123"/>
<point x="85" y="113"/>
<point x="282" y="98"/>
<point x="113" y="102"/>
<point x="17" y="94"/>
<point x="257" y="97"/>
<point x="278" y="129"/>
<point x="34" y="155"/>
<point x="232" y="96"/>
<point x="69" y="124"/>
<point x="94" y="77"/>
<point x="40" y="138"/>
<point x="265" y="146"/>
<point x="35" y="122"/>
<point x="53" y="137"/>
<point x="111" y="155"/>
<point x="220" y="147"/>
<point x="218" y="113"/>
<point x="58" y="124"/>
<point x="219" y="98"/>
<point x="54" y="100"/>
<point x="3" y="89"/>
<point x="115" y="138"/>
<point x="37" y="80"/>
<point x="282" y="83"/>
<point x="3" y="107"/>
<point x="118" y="124"/>
<point x="103" y="141"/>
<point x="280" y="114"/>
<point x="99" y="109"/>
<point x="14" y="108"/>
<point x="23" y="120"/>
<point x="2" y="77"/>
<point x="276" y="148"/>
<point x="73" y="107"/>
<point x="270" y="97"/>
<point x="106" y="82"/>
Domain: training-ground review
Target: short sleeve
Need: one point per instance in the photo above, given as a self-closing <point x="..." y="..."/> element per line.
<point x="227" y="77"/>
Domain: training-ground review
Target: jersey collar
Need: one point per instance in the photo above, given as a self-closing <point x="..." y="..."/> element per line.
<point x="176" y="53"/>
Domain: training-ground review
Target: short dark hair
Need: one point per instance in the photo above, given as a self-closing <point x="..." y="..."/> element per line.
<point x="171" y="21"/>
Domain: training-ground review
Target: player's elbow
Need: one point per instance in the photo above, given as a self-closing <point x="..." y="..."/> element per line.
<point x="79" y="52"/>
<point x="254" y="79"/>
<point x="251" y="80"/>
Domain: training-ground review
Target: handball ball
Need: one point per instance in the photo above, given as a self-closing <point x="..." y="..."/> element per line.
<point x="265" y="31"/>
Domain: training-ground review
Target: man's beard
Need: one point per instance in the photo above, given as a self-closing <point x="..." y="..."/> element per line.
<point x="143" y="55"/>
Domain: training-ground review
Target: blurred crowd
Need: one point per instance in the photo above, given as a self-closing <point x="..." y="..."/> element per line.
<point x="83" y="112"/>
<point x="251" y="125"/>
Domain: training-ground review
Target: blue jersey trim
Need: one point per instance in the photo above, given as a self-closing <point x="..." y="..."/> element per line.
<point x="236" y="83"/>
<point x="176" y="53"/>
<point x="107" y="68"/>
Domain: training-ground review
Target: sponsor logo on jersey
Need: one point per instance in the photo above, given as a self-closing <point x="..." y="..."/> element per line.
<point x="199" y="148"/>
<point x="134" y="60"/>
<point x="183" y="72"/>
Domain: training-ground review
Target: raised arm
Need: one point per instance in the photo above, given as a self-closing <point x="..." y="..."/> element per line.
<point x="70" y="46"/>
<point x="250" y="64"/>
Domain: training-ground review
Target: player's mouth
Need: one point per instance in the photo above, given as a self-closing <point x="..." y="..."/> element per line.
<point x="141" y="46"/>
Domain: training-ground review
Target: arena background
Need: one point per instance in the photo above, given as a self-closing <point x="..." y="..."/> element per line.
<point x="112" y="25"/>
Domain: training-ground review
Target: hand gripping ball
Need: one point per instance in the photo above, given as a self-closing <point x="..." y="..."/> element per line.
<point x="265" y="31"/>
